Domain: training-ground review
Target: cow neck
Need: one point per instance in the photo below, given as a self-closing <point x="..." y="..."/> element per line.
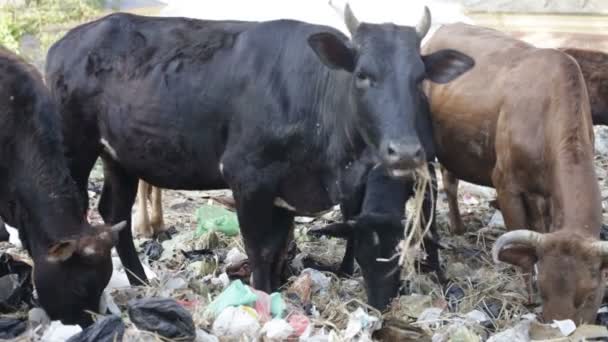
<point x="577" y="198"/>
<point x="49" y="208"/>
<point x="340" y="140"/>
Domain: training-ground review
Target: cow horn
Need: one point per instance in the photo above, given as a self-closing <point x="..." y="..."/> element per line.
<point x="118" y="227"/>
<point x="350" y="20"/>
<point x="425" y="23"/>
<point x="601" y="247"/>
<point x="521" y="236"/>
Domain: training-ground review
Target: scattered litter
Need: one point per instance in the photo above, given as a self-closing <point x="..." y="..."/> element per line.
<point x="210" y="217"/>
<point x="361" y="326"/>
<point x="519" y="332"/>
<point x="277" y="330"/>
<point x="36" y="317"/>
<point x="15" y="284"/>
<point x="235" y="256"/>
<point x="300" y="324"/>
<point x="540" y="331"/>
<point x="414" y="305"/>
<point x="107" y="329"/>
<point x="398" y="330"/>
<point x="203" y="336"/>
<point x="239" y="270"/>
<point x="153" y="249"/>
<point x="163" y="316"/>
<point x="11" y="328"/>
<point x="497" y="221"/>
<point x="57" y="332"/>
<point x="477" y="316"/>
<point x="587" y="332"/>
<point x="463" y="334"/>
<point x="429" y="316"/>
<point x="262" y="306"/>
<point x="454" y="295"/>
<point x="198" y="254"/>
<point x="304" y="219"/>
<point x="302" y="287"/>
<point x="602" y="316"/>
<point x="320" y="282"/>
<point x="277" y="305"/>
<point x="566" y="327"/>
<point x="235" y="294"/>
<point x="236" y="322"/>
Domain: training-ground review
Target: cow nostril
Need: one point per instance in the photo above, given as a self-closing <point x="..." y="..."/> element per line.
<point x="390" y="150"/>
<point x="419" y="153"/>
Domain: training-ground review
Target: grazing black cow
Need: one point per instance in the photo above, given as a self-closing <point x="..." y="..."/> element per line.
<point x="72" y="259"/>
<point x="274" y="110"/>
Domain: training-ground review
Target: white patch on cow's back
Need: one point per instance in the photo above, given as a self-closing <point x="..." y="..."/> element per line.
<point x="109" y="148"/>
<point x="221" y="167"/>
<point x="281" y="203"/>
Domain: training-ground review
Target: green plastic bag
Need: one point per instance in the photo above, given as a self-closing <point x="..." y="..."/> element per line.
<point x="234" y="295"/>
<point x="210" y="217"/>
<point x="277" y="305"/>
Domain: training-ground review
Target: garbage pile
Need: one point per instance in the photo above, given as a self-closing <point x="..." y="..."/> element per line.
<point x="199" y="288"/>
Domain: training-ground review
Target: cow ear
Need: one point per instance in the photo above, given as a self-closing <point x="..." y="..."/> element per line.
<point x="445" y="65"/>
<point x="334" y="52"/>
<point x="523" y="256"/>
<point x="342" y="230"/>
<point x="62" y="251"/>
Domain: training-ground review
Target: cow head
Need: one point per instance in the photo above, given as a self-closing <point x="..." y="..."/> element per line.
<point x="570" y="270"/>
<point x="386" y="71"/>
<point x="71" y="275"/>
<point x="375" y="238"/>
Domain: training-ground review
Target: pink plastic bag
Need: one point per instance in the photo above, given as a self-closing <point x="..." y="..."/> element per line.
<point x="299" y="323"/>
<point x="262" y="305"/>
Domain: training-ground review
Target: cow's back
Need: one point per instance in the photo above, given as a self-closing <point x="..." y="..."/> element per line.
<point x="514" y="87"/>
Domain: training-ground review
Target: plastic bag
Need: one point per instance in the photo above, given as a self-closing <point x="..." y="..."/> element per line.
<point x="15" y="284"/>
<point x="277" y="329"/>
<point x="163" y="316"/>
<point x="277" y="305"/>
<point x="11" y="328"/>
<point x="107" y="329"/>
<point x="234" y="295"/>
<point x="237" y="322"/>
<point x="216" y="218"/>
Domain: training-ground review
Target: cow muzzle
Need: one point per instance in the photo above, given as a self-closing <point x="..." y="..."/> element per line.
<point x="402" y="159"/>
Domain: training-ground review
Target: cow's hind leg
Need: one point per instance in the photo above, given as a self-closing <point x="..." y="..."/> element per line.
<point x="156" y="214"/>
<point x="117" y="197"/>
<point x="141" y="222"/>
<point x="450" y="184"/>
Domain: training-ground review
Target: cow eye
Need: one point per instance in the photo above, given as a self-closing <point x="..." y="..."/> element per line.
<point x="363" y="80"/>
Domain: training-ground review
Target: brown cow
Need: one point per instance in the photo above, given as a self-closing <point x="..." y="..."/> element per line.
<point x="520" y="122"/>
<point x="594" y="65"/>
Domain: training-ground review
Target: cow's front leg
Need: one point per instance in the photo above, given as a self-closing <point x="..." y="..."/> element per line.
<point x="265" y="230"/>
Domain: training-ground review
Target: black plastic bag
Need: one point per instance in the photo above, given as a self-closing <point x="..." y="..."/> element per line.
<point x="153" y="249"/>
<point x="15" y="284"/>
<point x="163" y="316"/>
<point x="11" y="328"/>
<point x="108" y="329"/>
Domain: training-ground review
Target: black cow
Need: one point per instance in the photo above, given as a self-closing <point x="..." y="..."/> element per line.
<point x="37" y="195"/>
<point x="274" y="110"/>
<point x="372" y="206"/>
